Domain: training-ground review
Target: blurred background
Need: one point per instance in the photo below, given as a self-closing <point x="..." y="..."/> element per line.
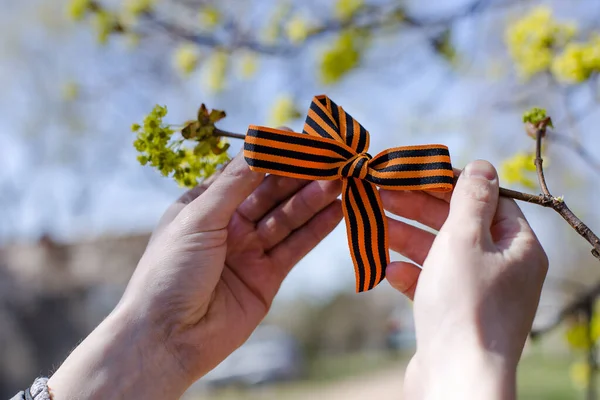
<point x="77" y="208"/>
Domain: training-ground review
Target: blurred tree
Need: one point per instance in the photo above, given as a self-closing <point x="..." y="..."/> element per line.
<point x="540" y="46"/>
<point x="465" y="69"/>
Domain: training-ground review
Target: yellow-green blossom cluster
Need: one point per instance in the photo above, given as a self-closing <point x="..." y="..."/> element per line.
<point x="105" y="23"/>
<point x="580" y="337"/>
<point x="534" y="115"/>
<point x="248" y="65"/>
<point x="185" y="58"/>
<point x="215" y="74"/>
<point x="580" y="374"/>
<point x="519" y="169"/>
<point x="578" y="61"/>
<point x="283" y="110"/>
<point x="158" y="148"/>
<point x="297" y="29"/>
<point x="346" y="9"/>
<point x="272" y="29"/>
<point x="577" y="335"/>
<point x="532" y="40"/>
<point x="209" y="17"/>
<point x="342" y="57"/>
<point x="77" y="9"/>
<point x="137" y="7"/>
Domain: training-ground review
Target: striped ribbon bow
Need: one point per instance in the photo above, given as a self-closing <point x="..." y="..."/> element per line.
<point x="332" y="146"/>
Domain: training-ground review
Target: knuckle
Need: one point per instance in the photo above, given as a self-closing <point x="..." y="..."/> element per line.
<point x="461" y="234"/>
<point x="237" y="169"/>
<point x="478" y="190"/>
<point x="305" y="203"/>
<point x="275" y="225"/>
<point x="538" y="259"/>
<point x="283" y="219"/>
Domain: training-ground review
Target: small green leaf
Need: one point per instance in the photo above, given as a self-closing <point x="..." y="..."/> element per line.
<point x="220" y="150"/>
<point x="190" y="130"/>
<point x="216" y="115"/>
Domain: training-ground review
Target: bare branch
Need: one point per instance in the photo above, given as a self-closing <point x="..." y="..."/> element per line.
<point x="219" y="132"/>
<point x="559" y="205"/>
<point x="539" y="134"/>
<point x="370" y="19"/>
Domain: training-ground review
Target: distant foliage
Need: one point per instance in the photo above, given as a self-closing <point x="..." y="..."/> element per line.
<point x="539" y="43"/>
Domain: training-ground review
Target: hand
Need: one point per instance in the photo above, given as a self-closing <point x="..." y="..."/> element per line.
<point x="206" y="280"/>
<point x="478" y="291"/>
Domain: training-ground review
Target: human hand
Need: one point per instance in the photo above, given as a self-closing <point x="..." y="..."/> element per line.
<point x="476" y="296"/>
<point x="206" y="280"/>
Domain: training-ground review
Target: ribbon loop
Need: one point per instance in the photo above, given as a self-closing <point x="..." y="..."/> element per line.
<point x="334" y="145"/>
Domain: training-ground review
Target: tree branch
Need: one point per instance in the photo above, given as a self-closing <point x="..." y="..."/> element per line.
<point x="576" y="306"/>
<point x="371" y="18"/>
<point x="557" y="204"/>
<point x="219" y="132"/>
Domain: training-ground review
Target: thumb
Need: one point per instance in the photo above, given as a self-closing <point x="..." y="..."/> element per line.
<point x="474" y="200"/>
<point x="217" y="204"/>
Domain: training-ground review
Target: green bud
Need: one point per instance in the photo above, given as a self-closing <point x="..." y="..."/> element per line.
<point x="535" y="116"/>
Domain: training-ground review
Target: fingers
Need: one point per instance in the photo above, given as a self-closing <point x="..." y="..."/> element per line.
<point x="220" y="200"/>
<point x="416" y="205"/>
<point x="296" y="211"/>
<point x="287" y="253"/>
<point x="272" y="191"/>
<point x="410" y="241"/>
<point x="403" y="277"/>
<point x="474" y="201"/>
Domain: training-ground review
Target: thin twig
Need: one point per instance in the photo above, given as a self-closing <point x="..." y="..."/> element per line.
<point x="557" y="204"/>
<point x="220" y="132"/>
<point x="539" y="161"/>
<point x="526" y="197"/>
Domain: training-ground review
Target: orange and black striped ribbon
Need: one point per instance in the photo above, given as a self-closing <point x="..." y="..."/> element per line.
<point x="334" y="146"/>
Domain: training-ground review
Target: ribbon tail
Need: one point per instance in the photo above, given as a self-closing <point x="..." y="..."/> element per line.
<point x="366" y="227"/>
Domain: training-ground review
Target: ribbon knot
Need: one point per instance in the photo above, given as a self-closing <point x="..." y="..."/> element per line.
<point x="334" y="145"/>
<point x="355" y="167"/>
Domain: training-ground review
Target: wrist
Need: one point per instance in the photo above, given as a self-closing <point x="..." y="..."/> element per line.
<point x="121" y="358"/>
<point x="468" y="374"/>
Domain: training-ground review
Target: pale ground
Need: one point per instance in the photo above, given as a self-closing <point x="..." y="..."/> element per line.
<point x="384" y="384"/>
<point x="380" y="385"/>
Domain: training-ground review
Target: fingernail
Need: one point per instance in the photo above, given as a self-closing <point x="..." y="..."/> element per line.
<point x="480" y="169"/>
